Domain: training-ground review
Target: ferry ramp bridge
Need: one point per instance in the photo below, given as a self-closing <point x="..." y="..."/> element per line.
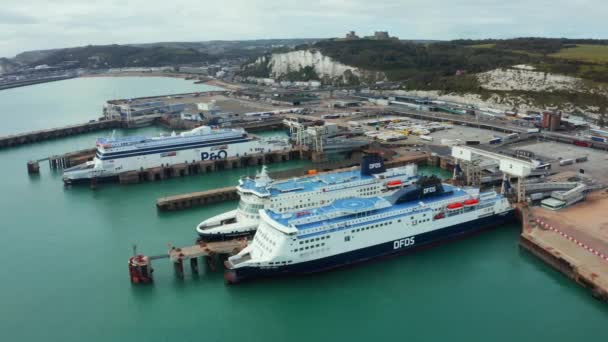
<point x="510" y="166"/>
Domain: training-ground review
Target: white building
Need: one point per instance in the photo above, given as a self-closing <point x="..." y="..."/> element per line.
<point x="206" y="106"/>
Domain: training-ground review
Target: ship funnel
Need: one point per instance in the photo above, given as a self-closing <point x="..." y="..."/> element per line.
<point x="262" y="179"/>
<point x="372" y="163"/>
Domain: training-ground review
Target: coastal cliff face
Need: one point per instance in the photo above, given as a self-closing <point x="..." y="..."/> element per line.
<point x="324" y="66"/>
<point x="313" y="64"/>
<point x="527" y="79"/>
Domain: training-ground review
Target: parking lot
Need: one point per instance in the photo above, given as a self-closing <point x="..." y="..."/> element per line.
<point x="553" y="152"/>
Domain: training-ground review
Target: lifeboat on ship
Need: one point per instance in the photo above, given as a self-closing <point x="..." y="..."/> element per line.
<point x="471" y="202"/>
<point x="394" y="184"/>
<point x="455" y="206"/>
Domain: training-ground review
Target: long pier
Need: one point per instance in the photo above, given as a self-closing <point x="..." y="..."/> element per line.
<point x="70" y="159"/>
<point x="140" y="266"/>
<point x="34" y="81"/>
<point x="54" y="133"/>
<point x="201" y="198"/>
<point x="195" y="199"/>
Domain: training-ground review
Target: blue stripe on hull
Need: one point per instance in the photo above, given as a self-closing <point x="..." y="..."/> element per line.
<point x="381" y="250"/>
<point x="146" y="151"/>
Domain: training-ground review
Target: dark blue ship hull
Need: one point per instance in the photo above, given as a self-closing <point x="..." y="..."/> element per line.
<point x="95" y="180"/>
<point x="393" y="247"/>
<point x="225" y="236"/>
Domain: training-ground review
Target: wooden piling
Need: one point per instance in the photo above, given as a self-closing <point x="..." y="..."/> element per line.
<point x="33" y="167"/>
<point x="178" y="265"/>
<point x="194" y="265"/>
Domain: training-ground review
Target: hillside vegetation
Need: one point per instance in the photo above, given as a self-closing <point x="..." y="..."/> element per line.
<point x="153" y="54"/>
<point x="447" y="66"/>
<point x="421" y="66"/>
<point x="115" y="56"/>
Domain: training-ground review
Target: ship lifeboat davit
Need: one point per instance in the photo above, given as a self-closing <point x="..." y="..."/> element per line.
<point x="471" y="202"/>
<point x="454" y="206"/>
<point x="302" y="213"/>
<point x="394" y="183"/>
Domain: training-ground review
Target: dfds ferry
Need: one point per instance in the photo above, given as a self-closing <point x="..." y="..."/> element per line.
<point x="301" y="194"/>
<point x="352" y="230"/>
<point x="117" y="155"/>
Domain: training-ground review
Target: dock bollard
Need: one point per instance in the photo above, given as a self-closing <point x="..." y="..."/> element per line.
<point x="33" y="167"/>
<point x="140" y="269"/>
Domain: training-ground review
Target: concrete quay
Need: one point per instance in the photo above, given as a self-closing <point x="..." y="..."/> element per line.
<point x="572" y="240"/>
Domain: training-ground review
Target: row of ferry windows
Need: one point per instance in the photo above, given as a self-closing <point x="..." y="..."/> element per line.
<point x="280" y="262"/>
<point x="383" y="224"/>
<point x="309" y="247"/>
<point x="373" y="226"/>
<point x="269" y="240"/>
<point x="315" y="239"/>
<point x="299" y="207"/>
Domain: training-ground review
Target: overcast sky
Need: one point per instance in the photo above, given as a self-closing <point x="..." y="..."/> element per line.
<point x="42" y="24"/>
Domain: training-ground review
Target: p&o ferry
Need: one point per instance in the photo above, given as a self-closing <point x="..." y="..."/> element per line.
<point x="352" y="230"/>
<point x="302" y="194"/>
<point x="117" y="155"/>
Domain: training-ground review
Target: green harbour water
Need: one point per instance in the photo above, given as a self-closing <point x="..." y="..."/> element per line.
<point x="65" y="250"/>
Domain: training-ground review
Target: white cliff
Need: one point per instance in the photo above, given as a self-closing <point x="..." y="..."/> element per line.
<point x="325" y="67"/>
<point x="520" y="78"/>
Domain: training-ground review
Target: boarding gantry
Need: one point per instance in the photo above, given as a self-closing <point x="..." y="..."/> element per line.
<point x="509" y="166"/>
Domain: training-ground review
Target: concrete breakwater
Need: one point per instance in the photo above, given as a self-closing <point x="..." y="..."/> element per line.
<point x="54" y="133"/>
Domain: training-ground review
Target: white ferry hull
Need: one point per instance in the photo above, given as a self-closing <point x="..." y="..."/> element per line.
<point x="208" y="230"/>
<point x="226" y="226"/>
<point x="110" y="168"/>
<point x="390" y="248"/>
